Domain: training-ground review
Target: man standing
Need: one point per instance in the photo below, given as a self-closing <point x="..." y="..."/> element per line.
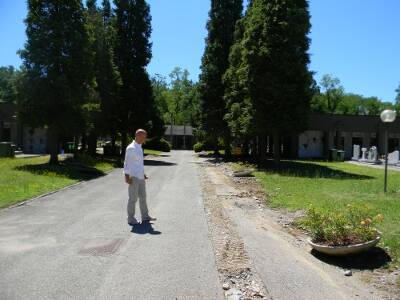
<point x="135" y="177"/>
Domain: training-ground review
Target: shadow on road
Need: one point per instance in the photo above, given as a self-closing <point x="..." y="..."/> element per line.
<point x="310" y="170"/>
<point x="144" y="228"/>
<point x="72" y="171"/>
<point x="159" y="163"/>
<point x="370" y="260"/>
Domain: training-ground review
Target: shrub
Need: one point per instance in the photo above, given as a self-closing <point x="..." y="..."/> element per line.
<point x="353" y="225"/>
<point x="207" y="146"/>
<point x="85" y="159"/>
<point x="158" y="144"/>
<point x="198" y="147"/>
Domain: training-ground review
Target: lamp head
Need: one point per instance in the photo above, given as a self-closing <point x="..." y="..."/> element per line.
<point x="388" y="116"/>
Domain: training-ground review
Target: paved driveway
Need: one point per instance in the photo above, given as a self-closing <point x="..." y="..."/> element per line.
<point x="75" y="244"/>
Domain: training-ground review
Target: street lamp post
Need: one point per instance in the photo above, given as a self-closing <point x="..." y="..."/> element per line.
<point x="387" y="116"/>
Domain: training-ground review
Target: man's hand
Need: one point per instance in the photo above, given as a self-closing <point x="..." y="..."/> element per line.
<point x="146" y="177"/>
<point x="128" y="179"/>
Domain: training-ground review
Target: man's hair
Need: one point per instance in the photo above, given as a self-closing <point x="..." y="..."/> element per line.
<point x="140" y="131"/>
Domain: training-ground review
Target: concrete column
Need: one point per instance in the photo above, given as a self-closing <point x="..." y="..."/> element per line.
<point x="331" y="141"/>
<point x="348" y="147"/>
<point x="366" y="140"/>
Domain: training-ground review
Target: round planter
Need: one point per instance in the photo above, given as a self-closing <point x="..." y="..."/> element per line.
<point x="344" y="250"/>
<point x="243" y="173"/>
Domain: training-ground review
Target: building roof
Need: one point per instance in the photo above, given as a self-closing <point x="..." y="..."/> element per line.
<point x="179" y="130"/>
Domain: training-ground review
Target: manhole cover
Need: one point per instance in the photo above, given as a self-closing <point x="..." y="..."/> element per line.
<point x="101" y="247"/>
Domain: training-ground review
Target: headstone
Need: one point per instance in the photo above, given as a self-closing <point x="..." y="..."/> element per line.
<point x="370" y="154"/>
<point x="393" y="158"/>
<point x="373" y="155"/>
<point x="356" y="152"/>
<point x="364" y="154"/>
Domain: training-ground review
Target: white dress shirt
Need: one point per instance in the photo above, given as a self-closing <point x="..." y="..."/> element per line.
<point x="134" y="165"/>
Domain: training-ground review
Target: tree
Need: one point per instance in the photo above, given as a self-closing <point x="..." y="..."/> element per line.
<point x="136" y="107"/>
<point x="239" y="116"/>
<point x="100" y="111"/>
<point x="397" y="99"/>
<point x="177" y="99"/>
<point x="275" y="62"/>
<point x="8" y="80"/>
<point x="223" y="17"/>
<point x="333" y="92"/>
<point x="57" y="61"/>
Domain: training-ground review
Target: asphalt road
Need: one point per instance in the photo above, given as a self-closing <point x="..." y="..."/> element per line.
<point x="75" y="244"/>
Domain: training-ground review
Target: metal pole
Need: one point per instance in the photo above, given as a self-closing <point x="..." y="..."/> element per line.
<point x="386" y="156"/>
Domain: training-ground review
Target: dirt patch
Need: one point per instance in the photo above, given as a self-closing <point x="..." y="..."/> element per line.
<point x="237" y="275"/>
<point x="254" y="200"/>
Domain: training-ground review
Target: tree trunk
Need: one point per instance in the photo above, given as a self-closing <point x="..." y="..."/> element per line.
<point x="76" y="145"/>
<point x="216" y="148"/>
<point x="92" y="144"/>
<point x="262" y="148"/>
<point x="277" y="148"/>
<point x="84" y="143"/>
<point x="113" y="139"/>
<point x="53" y="145"/>
<point x="124" y="143"/>
<point x="227" y="145"/>
<point x="245" y="151"/>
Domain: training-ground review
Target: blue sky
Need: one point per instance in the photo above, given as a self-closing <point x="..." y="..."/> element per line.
<point x="356" y="40"/>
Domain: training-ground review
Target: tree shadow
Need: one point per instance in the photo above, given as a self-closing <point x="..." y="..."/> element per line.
<point x="144" y="228"/>
<point x="152" y="162"/>
<point x="73" y="171"/>
<point x="374" y="258"/>
<point x="309" y="170"/>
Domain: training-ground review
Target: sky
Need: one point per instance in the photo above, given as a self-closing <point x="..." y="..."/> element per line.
<point x="357" y="41"/>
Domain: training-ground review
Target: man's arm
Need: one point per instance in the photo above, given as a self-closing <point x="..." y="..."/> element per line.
<point x="128" y="166"/>
<point x="128" y="179"/>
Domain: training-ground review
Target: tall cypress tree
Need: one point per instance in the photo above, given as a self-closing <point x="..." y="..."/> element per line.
<point x="107" y="76"/>
<point x="57" y="60"/>
<point x="275" y="57"/>
<point x="239" y="116"/>
<point x="101" y="110"/>
<point x="223" y="17"/>
<point x="132" y="55"/>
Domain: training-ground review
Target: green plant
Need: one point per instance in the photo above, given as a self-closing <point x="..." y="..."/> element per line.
<point x="158" y="144"/>
<point x="352" y="225"/>
<point x="198" y="147"/>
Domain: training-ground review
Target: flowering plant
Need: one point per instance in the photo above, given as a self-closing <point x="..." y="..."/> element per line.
<point x="352" y="225"/>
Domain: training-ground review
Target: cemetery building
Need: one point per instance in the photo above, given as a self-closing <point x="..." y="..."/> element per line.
<point x="180" y="136"/>
<point x="32" y="141"/>
<point x="342" y="132"/>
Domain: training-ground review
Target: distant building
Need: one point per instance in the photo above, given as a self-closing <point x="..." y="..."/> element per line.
<point x="180" y="136"/>
<point x="23" y="137"/>
<point x="342" y="132"/>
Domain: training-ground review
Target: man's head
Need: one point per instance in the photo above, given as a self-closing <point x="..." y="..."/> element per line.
<point x="140" y="136"/>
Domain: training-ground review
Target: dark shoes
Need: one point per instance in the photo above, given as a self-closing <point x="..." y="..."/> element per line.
<point x="148" y="219"/>
<point x="133" y="222"/>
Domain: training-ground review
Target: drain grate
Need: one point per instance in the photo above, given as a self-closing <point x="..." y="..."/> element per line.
<point x="101" y="247"/>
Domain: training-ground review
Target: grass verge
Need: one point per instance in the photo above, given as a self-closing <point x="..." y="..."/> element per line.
<point x="333" y="185"/>
<point x="25" y="178"/>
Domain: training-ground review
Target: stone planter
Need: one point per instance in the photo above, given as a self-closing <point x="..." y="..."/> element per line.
<point x="243" y="173"/>
<point x="344" y="250"/>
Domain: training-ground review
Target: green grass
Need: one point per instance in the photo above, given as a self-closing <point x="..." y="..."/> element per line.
<point x="24" y="178"/>
<point x="211" y="152"/>
<point x="152" y="152"/>
<point x="333" y="185"/>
